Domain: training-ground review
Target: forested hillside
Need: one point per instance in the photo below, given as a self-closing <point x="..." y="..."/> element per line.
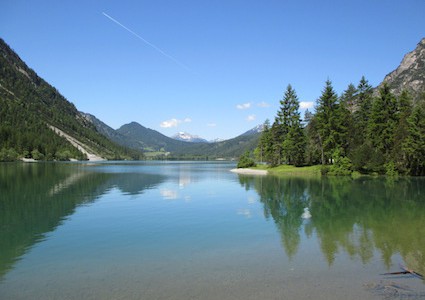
<point x="29" y="105"/>
<point x="356" y="131"/>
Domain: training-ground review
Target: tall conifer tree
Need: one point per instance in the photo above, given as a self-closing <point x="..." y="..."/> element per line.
<point x="414" y="144"/>
<point x="293" y="138"/>
<point x="383" y="121"/>
<point x="364" y="106"/>
<point x="326" y="121"/>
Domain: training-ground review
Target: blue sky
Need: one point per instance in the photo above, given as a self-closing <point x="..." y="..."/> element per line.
<point x="210" y="68"/>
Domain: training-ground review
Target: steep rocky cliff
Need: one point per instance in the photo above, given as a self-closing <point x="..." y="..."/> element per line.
<point x="410" y="74"/>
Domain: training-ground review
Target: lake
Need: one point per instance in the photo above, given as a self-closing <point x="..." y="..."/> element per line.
<point x="194" y="230"/>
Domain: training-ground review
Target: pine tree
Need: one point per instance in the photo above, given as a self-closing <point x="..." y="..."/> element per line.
<point x="276" y="148"/>
<point x="263" y="150"/>
<point x="349" y="98"/>
<point x="326" y="122"/>
<point x="364" y="105"/>
<point x="360" y="146"/>
<point x="308" y="116"/>
<point x="297" y="137"/>
<point x="405" y="106"/>
<point x="290" y="128"/>
<point x="414" y="144"/>
<point x="313" y="149"/>
<point x="383" y="122"/>
<point x="344" y="119"/>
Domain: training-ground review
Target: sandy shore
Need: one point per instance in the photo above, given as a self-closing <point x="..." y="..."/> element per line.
<point x="249" y="171"/>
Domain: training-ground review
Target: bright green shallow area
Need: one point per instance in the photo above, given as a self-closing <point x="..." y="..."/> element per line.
<point x="194" y="230"/>
<point x="291" y="170"/>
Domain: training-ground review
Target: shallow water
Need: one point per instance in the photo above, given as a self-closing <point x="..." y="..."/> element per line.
<point x="191" y="230"/>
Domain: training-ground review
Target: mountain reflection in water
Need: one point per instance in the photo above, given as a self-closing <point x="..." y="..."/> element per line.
<point x="37" y="198"/>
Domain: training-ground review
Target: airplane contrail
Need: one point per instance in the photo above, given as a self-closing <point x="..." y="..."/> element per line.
<point x="146" y="42"/>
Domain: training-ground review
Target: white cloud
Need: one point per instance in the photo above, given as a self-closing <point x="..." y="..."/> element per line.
<point x="305" y="104"/>
<point x="211" y="124"/>
<point x="169" y="194"/>
<point x="263" y="104"/>
<point x="243" y="106"/>
<point x="174" y="122"/>
<point x="170" y="123"/>
<point x="244" y="212"/>
<point x="251" y="118"/>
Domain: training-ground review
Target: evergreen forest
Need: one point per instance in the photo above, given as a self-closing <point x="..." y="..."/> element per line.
<point x="362" y="130"/>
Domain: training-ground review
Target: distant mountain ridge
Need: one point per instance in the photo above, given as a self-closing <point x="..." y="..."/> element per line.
<point x="146" y="139"/>
<point x="187" y="137"/>
<point x="410" y="74"/>
<point x="136" y="136"/>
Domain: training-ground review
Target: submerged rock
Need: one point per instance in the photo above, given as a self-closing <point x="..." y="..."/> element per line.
<point x="393" y="290"/>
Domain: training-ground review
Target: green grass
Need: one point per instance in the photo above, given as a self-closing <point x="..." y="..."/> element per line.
<point x="154" y="154"/>
<point x="291" y="170"/>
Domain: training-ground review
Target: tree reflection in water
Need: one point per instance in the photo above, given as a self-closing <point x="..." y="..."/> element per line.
<point x="357" y="216"/>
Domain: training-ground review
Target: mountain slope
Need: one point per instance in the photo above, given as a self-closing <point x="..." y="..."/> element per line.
<point x="30" y="107"/>
<point x="410" y="74"/>
<point x="105" y="129"/>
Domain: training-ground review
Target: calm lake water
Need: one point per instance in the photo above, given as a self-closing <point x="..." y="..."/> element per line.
<point x="189" y="230"/>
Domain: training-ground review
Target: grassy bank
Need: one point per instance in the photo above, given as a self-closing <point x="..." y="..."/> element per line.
<point x="291" y="170"/>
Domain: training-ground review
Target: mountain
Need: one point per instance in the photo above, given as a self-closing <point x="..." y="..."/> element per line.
<point x="225" y="149"/>
<point x="37" y="122"/>
<point x="410" y="74"/>
<point x="136" y="136"/>
<point x="230" y="148"/>
<point x="257" y="129"/>
<point x="187" y="137"/>
<point x="146" y="139"/>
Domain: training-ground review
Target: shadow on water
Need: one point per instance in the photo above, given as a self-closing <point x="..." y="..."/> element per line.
<point x="36" y="198"/>
<point x="354" y="216"/>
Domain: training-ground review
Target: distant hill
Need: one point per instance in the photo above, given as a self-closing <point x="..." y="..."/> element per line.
<point x="37" y="122"/>
<point x="410" y="74"/>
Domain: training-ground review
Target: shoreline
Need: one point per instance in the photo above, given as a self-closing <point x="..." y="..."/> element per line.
<point x="246" y="171"/>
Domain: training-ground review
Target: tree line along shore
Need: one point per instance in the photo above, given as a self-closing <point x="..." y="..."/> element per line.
<point x="361" y="131"/>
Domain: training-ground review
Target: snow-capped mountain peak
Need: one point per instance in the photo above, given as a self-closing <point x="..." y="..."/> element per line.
<point x="187" y="137"/>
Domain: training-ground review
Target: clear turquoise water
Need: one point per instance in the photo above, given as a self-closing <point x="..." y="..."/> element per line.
<point x="192" y="230"/>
